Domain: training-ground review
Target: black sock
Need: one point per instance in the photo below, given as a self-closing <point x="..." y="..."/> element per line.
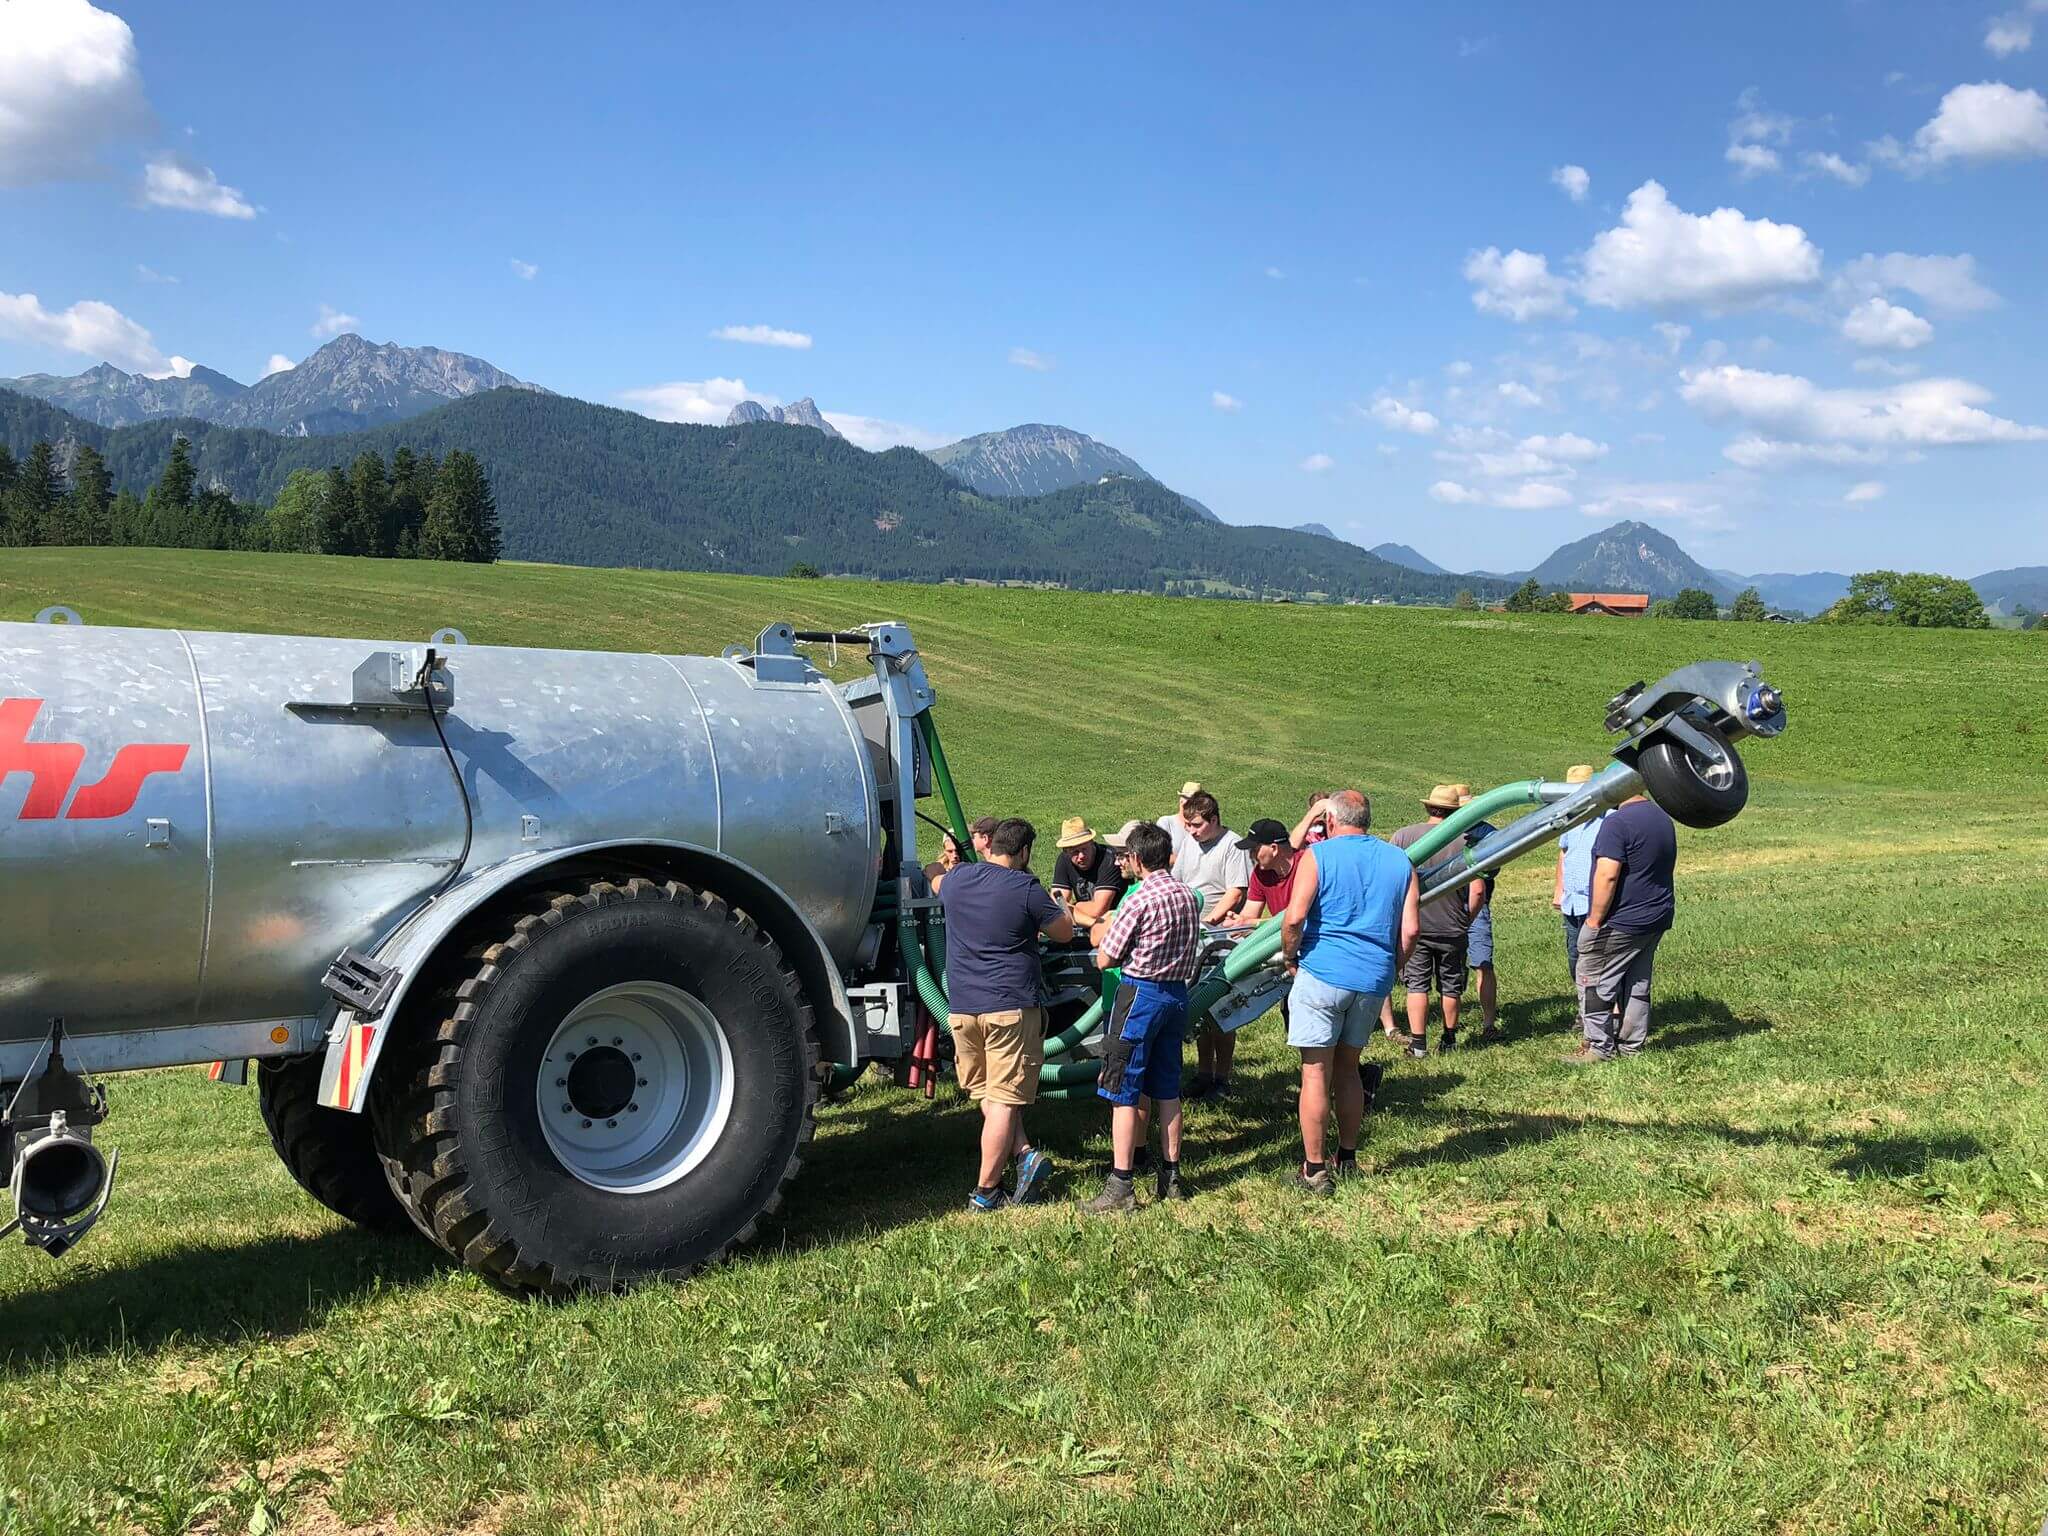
<point x="1310" y="1168"/>
<point x="1170" y="1164"/>
<point x="1347" y="1154"/>
<point x="1120" y="1173"/>
<point x="986" y="1189"/>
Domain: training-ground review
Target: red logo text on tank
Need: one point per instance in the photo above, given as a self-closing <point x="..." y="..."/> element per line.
<point x="52" y="766"/>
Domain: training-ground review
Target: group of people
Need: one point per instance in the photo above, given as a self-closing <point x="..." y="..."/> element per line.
<point x="1149" y="898"/>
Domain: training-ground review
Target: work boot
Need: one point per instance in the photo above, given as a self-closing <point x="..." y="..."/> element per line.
<point x="1169" y="1185"/>
<point x="1200" y="1086"/>
<point x="1493" y="1032"/>
<point x="1584" y="1056"/>
<point x="1117" y="1195"/>
<point x="1371" y="1075"/>
<point x="1322" y="1183"/>
<point x="1418" y="1047"/>
<point x="1447" y="1042"/>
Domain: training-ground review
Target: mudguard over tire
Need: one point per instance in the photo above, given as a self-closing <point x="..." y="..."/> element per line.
<point x="621" y="1089"/>
<point x="329" y="1153"/>
<point x="1693" y="791"/>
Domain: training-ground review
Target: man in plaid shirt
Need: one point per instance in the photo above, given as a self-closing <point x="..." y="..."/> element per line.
<point x="1153" y="938"/>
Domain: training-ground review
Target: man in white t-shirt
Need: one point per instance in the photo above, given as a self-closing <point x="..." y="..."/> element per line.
<point x="1176" y="825"/>
<point x="1211" y="861"/>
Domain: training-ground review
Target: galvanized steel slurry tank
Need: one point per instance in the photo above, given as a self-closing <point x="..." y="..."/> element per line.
<point x="547" y="954"/>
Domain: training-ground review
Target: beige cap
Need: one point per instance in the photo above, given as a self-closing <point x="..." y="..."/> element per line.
<point x="1190" y="788"/>
<point x="1075" y="831"/>
<point x="1121" y="837"/>
<point x="1444" y="797"/>
<point x="1578" y="773"/>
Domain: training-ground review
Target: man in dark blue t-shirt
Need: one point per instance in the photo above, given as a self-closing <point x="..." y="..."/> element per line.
<point x="995" y="910"/>
<point x="1631" y="908"/>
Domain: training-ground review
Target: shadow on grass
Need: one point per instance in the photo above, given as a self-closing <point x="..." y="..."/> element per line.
<point x="271" y="1287"/>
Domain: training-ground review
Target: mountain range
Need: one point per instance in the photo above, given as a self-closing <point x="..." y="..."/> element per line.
<point x="586" y="484"/>
<point x="804" y="413"/>
<point x="347" y="385"/>
<point x="1033" y="459"/>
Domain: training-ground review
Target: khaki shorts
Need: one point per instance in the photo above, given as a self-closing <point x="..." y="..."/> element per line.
<point x="997" y="1055"/>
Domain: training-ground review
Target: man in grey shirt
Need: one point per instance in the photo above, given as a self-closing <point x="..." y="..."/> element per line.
<point x="1220" y="872"/>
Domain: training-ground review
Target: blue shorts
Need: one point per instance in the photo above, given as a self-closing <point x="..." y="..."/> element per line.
<point x="1148" y="1023"/>
<point x="1320" y="1015"/>
<point x="1479" y="942"/>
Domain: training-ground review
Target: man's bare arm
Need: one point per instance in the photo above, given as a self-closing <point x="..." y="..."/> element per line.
<point x="1299" y="900"/>
<point x="1606" y="880"/>
<point x="1411" y="916"/>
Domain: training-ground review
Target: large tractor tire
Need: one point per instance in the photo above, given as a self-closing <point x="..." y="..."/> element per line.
<point x="329" y="1152"/>
<point x="621" y="1090"/>
<point x="1695" y="791"/>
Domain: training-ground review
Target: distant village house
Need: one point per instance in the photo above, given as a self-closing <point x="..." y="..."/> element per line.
<point x="1622" y="604"/>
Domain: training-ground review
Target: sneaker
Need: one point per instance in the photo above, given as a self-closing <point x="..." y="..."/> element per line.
<point x="1170" y="1185"/>
<point x="1345" y="1168"/>
<point x="1493" y="1032"/>
<point x="994" y="1200"/>
<point x="1033" y="1168"/>
<point x="1447" y="1042"/>
<point x="1417" y="1048"/>
<point x="1117" y="1195"/>
<point x="1372" y="1074"/>
<point x="1584" y="1056"/>
<point x="1321" y="1183"/>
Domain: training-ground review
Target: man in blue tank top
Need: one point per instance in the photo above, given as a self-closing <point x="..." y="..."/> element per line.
<point x="1351" y="920"/>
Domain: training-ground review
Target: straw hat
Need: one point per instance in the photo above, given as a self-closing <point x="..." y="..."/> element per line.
<point x="1121" y="837"/>
<point x="1444" y="797"/>
<point x="1578" y="773"/>
<point x="1190" y="788"/>
<point x="1075" y="831"/>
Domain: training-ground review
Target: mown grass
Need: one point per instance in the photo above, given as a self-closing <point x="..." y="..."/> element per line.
<point x="1784" y="1272"/>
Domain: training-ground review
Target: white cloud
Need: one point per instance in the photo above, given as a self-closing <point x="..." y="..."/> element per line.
<point x="174" y="367"/>
<point x="1885" y="366"/>
<point x="1519" y="285"/>
<point x="1675" y="335"/>
<point x="333" y="322"/>
<point x="1671" y="501"/>
<point x="1764" y="454"/>
<point x="70" y="88"/>
<point x="1515" y="392"/>
<point x="1986" y="121"/>
<point x="1459" y="369"/>
<point x="2012" y="32"/>
<point x="1865" y="490"/>
<point x="1567" y="447"/>
<point x="1756" y="123"/>
<point x="278" y="363"/>
<point x="1275" y="273"/>
<point x="705" y="401"/>
<point x="1452" y="494"/>
<point x="1660" y="256"/>
<point x="1226" y="403"/>
<point x="1037" y="362"/>
<point x="763" y="336"/>
<point x="1948" y="283"/>
<point x="151" y="275"/>
<point x="1401" y="417"/>
<point x="1828" y="163"/>
<point x="88" y="327"/>
<point x="1875" y="323"/>
<point x="875" y="434"/>
<point x="1572" y="180"/>
<point x="525" y="271"/>
<point x="1751" y="159"/>
<point x="1317" y="463"/>
<point x="171" y="180"/>
<point x="1533" y="496"/>
<point x="1796" y="418"/>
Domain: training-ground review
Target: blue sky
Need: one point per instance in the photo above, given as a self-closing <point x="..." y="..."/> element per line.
<point x="1478" y="278"/>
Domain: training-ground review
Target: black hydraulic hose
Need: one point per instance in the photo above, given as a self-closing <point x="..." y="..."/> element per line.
<point x="425" y="683"/>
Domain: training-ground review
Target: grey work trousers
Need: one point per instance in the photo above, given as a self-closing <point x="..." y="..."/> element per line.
<point x="1614" y="989"/>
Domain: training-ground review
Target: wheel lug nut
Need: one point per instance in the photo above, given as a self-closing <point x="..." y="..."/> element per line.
<point x="632" y="1109"/>
<point x="567" y="1110"/>
<point x="642" y="1083"/>
<point x="586" y="1125"/>
<point x="591" y="1041"/>
<point x="561" y="1082"/>
<point x="618" y="1040"/>
<point x="636" y="1055"/>
<point x="612" y="1124"/>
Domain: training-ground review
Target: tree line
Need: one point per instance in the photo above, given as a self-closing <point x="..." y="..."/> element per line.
<point x="416" y="508"/>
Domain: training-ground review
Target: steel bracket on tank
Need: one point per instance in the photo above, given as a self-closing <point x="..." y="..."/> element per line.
<point x="388" y="682"/>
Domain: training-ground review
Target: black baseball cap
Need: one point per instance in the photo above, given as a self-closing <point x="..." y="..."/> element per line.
<point x="1264" y="830"/>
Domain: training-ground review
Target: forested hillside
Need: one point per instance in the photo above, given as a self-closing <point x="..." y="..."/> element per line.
<point x="584" y="484"/>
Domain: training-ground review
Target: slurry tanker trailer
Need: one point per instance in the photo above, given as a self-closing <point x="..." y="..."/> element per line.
<point x="549" y="954"/>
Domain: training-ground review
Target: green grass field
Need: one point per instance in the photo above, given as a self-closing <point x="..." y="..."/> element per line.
<point x="1785" y="1272"/>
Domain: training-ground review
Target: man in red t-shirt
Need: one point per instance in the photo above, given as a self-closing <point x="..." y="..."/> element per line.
<point x="1272" y="878"/>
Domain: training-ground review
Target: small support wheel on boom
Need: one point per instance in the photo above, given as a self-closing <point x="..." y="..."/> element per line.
<point x="1695" y="790"/>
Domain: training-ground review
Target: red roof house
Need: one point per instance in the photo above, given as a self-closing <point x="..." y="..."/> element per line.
<point x="1624" y="604"/>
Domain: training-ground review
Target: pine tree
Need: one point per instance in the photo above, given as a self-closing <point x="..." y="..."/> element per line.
<point x="1749" y="607"/>
<point x="37" y="487"/>
<point x="337" y="514"/>
<point x="372" y="493"/>
<point x="462" y="517"/>
<point x="1525" y="597"/>
<point x="90" y="514"/>
<point x="179" y="477"/>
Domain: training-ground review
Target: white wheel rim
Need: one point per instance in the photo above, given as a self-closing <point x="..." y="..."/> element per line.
<point x="635" y="1087"/>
